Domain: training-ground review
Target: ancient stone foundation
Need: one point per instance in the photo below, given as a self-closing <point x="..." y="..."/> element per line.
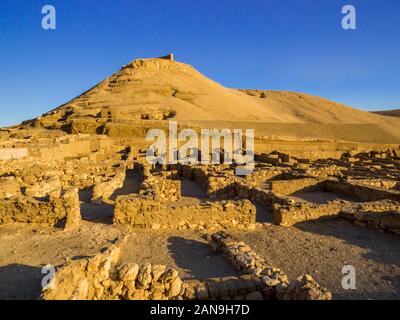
<point x="59" y="210"/>
<point x="103" y="276"/>
<point x="141" y="212"/>
<point x="104" y="190"/>
<point x="276" y="284"/>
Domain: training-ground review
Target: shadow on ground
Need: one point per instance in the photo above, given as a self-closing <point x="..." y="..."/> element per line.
<point x="98" y="213"/>
<point x="382" y="247"/>
<point x="20" y="282"/>
<point x="199" y="259"/>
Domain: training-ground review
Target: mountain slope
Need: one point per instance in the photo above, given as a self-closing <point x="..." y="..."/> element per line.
<point x="162" y="89"/>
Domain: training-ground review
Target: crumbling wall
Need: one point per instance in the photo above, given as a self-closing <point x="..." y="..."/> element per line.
<point x="44" y="187"/>
<point x="105" y="277"/>
<point x="161" y="188"/>
<point x="377" y="183"/>
<point x="102" y="277"/>
<point x="275" y="281"/>
<point x="287" y="187"/>
<point x="361" y="192"/>
<point x="380" y="215"/>
<point x="104" y="190"/>
<point x="142" y="212"/>
<point x="62" y="210"/>
<point x="221" y="186"/>
<point x="288" y="215"/>
<point x="217" y="183"/>
<point x="158" y="185"/>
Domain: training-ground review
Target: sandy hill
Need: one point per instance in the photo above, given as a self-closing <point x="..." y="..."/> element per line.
<point x="162" y="89"/>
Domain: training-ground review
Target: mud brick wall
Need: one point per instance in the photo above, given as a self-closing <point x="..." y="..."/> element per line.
<point x="288" y="215"/>
<point x="58" y="210"/>
<point x="286" y="187"/>
<point x="275" y="283"/>
<point x="361" y="192"/>
<point x="141" y="212"/>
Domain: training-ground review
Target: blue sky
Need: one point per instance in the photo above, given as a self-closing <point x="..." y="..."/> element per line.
<point x="295" y="45"/>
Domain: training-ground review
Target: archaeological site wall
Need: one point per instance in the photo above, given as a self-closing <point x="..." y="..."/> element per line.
<point x="104" y="276"/>
<point x="148" y="213"/>
<point x="59" y="210"/>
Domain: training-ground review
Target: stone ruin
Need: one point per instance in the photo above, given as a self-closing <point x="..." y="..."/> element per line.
<point x="42" y="180"/>
<point x="103" y="277"/>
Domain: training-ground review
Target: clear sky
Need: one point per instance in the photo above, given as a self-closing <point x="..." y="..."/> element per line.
<point x="296" y="45"/>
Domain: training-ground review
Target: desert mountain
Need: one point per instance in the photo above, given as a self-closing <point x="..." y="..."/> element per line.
<point x="389" y="113"/>
<point x="162" y="89"/>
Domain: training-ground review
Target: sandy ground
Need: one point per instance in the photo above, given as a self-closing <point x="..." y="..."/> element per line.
<point x="319" y="248"/>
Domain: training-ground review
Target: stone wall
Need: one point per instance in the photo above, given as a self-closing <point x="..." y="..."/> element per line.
<point x="158" y="185"/>
<point x="219" y="180"/>
<point x="44" y="187"/>
<point x="380" y="215"/>
<point x="104" y="190"/>
<point x="103" y="277"/>
<point x="59" y="210"/>
<point x="264" y="197"/>
<point x="288" y="215"/>
<point x="161" y="188"/>
<point x="378" y="183"/>
<point x="141" y="212"/>
<point x="275" y="282"/>
<point x="287" y="187"/>
<point x="361" y="192"/>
